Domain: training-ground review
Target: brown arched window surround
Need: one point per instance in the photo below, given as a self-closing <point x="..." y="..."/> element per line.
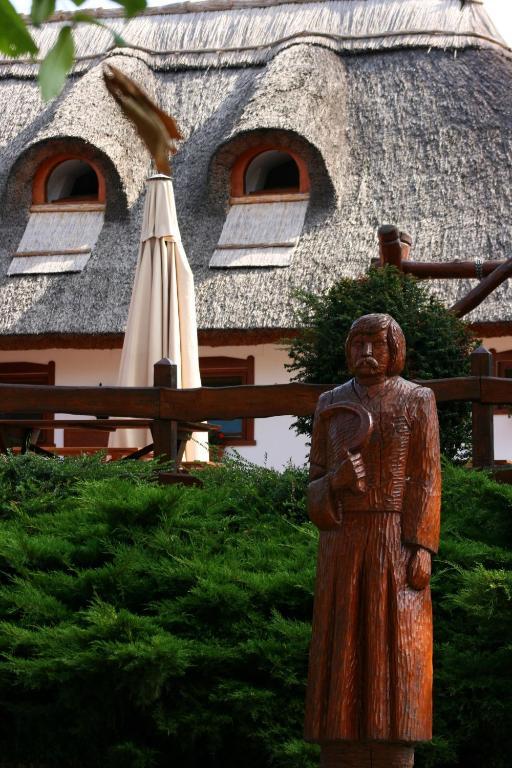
<point x="66" y="180"/>
<point x="290" y="166"/>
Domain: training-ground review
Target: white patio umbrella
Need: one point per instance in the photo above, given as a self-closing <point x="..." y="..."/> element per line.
<point x="162" y="316"/>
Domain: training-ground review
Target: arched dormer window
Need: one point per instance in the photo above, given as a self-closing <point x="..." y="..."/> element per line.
<point x="69" y="180"/>
<point x="268" y="203"/>
<point x="267" y="171"/>
<point x="66" y="217"/>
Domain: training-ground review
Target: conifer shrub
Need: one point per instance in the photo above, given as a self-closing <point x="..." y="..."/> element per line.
<point x="145" y="626"/>
<point x="438" y="343"/>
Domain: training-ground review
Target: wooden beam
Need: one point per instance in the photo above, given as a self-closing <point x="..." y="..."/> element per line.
<point x="58" y="252"/>
<point x="390" y="247"/>
<point x="140" y="402"/>
<point x="195" y="405"/>
<point x="164" y="430"/>
<point x="458" y="388"/>
<point x="236" y="402"/>
<point x="450" y="270"/>
<point x="280" y="197"/>
<point x="496" y="391"/>
<point x="491" y="328"/>
<point x="483" y="289"/>
<point x="482" y="415"/>
<point x="67" y="207"/>
<point x="240" y="337"/>
<point x="62" y="341"/>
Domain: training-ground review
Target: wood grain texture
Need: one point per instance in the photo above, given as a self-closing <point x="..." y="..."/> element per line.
<point x="366" y="756"/>
<point x="141" y="402"/>
<point x="482" y="415"/>
<point x="233" y="402"/>
<point x="426" y="270"/>
<point x="370" y="661"/>
<point x="483" y="289"/>
<point x="165" y="431"/>
<point x="257" y="401"/>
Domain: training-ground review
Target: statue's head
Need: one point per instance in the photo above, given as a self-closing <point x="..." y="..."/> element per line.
<point x="375" y="348"/>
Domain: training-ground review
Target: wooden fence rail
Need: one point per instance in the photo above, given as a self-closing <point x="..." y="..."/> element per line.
<point x="257" y="401"/>
<point x="166" y="405"/>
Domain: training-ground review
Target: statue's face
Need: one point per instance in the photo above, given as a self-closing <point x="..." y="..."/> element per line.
<point x="369" y="354"/>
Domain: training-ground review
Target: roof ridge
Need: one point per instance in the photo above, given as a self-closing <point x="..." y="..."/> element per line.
<point x="193" y="6"/>
<point x="182" y="7"/>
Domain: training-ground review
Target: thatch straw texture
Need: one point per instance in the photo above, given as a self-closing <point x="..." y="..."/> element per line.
<point x="250" y="33"/>
<point x="260" y="235"/>
<point x="303" y="89"/>
<point x="54" y="236"/>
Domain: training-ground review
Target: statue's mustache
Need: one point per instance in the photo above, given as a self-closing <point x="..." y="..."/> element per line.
<point x="367" y="361"/>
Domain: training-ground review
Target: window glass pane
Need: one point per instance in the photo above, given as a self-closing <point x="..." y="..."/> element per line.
<point x="72" y="180"/>
<point x="230" y="427"/>
<point x="272" y="171"/>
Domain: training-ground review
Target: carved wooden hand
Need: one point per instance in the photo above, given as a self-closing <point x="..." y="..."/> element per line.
<point x="419" y="569"/>
<point x="350" y="474"/>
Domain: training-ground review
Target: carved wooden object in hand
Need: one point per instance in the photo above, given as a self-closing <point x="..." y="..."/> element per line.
<point x="374" y="493"/>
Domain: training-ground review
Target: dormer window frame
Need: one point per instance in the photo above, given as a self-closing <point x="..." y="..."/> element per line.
<point x="241" y="166"/>
<point x="42" y="176"/>
<point x="61" y="234"/>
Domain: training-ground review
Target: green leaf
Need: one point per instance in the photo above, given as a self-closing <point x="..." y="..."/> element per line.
<point x="15" y="38"/>
<point x="119" y="40"/>
<point x="56" y="65"/>
<point x="41" y="10"/>
<point x="132" y="7"/>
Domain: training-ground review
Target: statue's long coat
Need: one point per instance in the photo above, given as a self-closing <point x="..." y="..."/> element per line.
<point x="370" y="665"/>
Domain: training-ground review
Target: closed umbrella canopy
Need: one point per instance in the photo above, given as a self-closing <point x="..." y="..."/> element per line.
<point x="162" y="316"/>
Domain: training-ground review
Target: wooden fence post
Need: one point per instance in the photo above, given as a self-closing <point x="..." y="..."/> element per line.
<point x="165" y="431"/>
<point x="390" y="248"/>
<point x="482" y="415"/>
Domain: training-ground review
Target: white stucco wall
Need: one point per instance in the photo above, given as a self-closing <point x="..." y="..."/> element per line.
<point x="276" y="444"/>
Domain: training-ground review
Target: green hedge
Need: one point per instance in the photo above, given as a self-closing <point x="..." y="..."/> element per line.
<point x="145" y="626"/>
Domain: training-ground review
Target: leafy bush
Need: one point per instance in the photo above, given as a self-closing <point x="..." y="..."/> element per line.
<point x="142" y="626"/>
<point x="438" y="344"/>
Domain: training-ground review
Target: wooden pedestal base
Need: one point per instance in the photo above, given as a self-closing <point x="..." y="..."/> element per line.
<point x="371" y="755"/>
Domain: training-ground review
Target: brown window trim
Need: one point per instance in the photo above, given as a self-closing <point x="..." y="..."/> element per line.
<point x="31" y="373"/>
<point x="244" y="160"/>
<point x="501" y="361"/>
<point x="41" y="176"/>
<point x="226" y="367"/>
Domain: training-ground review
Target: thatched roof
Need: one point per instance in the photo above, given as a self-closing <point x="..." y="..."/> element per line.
<point x="402" y="110"/>
<point x="242" y="32"/>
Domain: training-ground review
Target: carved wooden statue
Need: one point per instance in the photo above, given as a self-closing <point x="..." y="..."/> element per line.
<point x="374" y="493"/>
